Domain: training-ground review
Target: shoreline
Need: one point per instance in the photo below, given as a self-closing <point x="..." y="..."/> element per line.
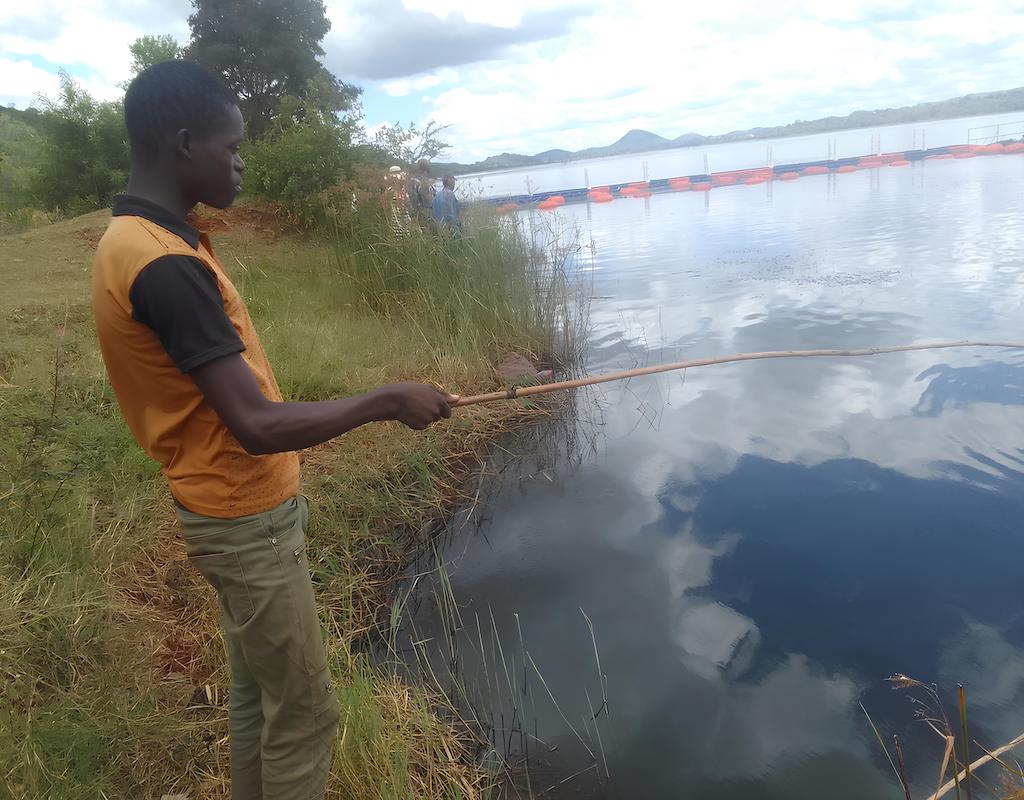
<point x="121" y="656"/>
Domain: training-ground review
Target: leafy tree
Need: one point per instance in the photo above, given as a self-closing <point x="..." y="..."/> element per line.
<point x="84" y="156"/>
<point x="305" y="152"/>
<point x="407" y="145"/>
<point x="265" y="50"/>
<point x="20" y="142"/>
<point x="149" y="50"/>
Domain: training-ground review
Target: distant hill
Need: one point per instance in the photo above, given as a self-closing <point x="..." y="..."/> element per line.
<point x="639" y="141"/>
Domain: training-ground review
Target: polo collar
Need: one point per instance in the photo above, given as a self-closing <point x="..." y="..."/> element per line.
<point x="126" y="205"/>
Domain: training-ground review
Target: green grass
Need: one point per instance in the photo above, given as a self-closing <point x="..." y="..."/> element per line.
<point x="112" y="673"/>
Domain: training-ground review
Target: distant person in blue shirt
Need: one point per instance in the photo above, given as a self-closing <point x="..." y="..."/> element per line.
<point x="446" y="207"/>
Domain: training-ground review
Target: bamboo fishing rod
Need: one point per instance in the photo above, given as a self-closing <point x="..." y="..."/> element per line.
<point x="545" y="388"/>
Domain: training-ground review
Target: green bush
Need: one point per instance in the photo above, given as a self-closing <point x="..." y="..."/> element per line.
<point x="305" y="153"/>
<point x="83" y="159"/>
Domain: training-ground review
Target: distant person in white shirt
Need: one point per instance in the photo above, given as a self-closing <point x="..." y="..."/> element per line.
<point x="447" y="212"/>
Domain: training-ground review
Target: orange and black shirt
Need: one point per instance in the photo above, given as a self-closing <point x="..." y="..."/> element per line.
<point x="163" y="306"/>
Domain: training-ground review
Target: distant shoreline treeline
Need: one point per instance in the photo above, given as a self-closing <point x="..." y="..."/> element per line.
<point x="640" y="141"/>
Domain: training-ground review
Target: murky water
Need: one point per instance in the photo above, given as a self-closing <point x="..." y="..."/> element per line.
<point x="758" y="546"/>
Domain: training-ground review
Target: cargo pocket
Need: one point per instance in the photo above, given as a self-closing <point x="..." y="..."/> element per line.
<point x="325" y="700"/>
<point x="224" y="573"/>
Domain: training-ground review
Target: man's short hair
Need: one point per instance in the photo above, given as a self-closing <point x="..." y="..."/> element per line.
<point x="169" y="96"/>
<point x="448" y="180"/>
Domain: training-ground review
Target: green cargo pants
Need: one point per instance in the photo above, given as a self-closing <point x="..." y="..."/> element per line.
<point x="282" y="708"/>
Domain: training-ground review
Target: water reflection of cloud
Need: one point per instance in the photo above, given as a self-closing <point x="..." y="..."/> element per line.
<point x="992" y="669"/>
<point x="759" y="543"/>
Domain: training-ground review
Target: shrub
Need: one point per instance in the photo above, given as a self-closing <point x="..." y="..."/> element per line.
<point x="305" y="152"/>
<point x="84" y="156"/>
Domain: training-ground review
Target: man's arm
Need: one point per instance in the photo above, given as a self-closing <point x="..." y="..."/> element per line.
<point x="263" y="426"/>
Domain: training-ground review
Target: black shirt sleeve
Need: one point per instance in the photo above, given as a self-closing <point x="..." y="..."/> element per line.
<point x="177" y="296"/>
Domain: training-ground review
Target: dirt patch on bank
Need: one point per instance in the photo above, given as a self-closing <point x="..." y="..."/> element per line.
<point x="264" y="220"/>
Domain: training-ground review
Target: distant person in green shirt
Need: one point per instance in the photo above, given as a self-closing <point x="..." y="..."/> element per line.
<point x="447" y="212"/>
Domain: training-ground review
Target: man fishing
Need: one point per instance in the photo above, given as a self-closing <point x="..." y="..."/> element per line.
<point x="198" y="393"/>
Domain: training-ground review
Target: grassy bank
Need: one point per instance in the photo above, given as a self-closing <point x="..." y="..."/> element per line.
<point x="112" y="671"/>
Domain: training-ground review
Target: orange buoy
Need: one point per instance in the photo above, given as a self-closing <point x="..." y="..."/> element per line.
<point x="965" y="155"/>
<point x="642" y="193"/>
<point x="846" y="168"/>
<point x="816" y="170"/>
<point x="753" y="180"/>
<point x="938" y="156"/>
<point x="557" y="199"/>
<point x="1014" y="147"/>
<point x="547" y="205"/>
<point x="505" y="208"/>
<point x="723" y="179"/>
<point x="789" y="176"/>
<point x="994" y="148"/>
<point x="602" y="198"/>
<point x="701" y="187"/>
<point x="901" y="163"/>
<point x="679" y="184"/>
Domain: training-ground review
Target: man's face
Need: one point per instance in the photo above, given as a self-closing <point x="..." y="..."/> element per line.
<point x="215" y="168"/>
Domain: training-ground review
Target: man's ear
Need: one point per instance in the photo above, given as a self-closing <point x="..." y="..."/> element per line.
<point x="183" y="143"/>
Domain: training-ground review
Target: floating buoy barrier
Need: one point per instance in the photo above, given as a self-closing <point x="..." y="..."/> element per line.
<point x="751" y="177"/>
<point x="630" y="189"/>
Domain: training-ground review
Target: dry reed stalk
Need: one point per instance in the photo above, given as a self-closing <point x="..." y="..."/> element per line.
<point x="545" y="388"/>
<point x="978" y="762"/>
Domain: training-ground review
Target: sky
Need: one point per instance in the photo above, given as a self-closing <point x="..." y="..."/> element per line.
<point x="528" y="75"/>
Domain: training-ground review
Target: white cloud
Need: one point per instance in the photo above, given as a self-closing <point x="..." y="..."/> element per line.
<point x="574" y="74"/>
<point x="89" y="38"/>
<point x="721" y="67"/>
<point x="400" y="87"/>
<point x="20" y="81"/>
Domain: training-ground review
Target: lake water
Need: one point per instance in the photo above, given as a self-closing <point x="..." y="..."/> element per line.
<point x="759" y="545"/>
<point x="743" y="155"/>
